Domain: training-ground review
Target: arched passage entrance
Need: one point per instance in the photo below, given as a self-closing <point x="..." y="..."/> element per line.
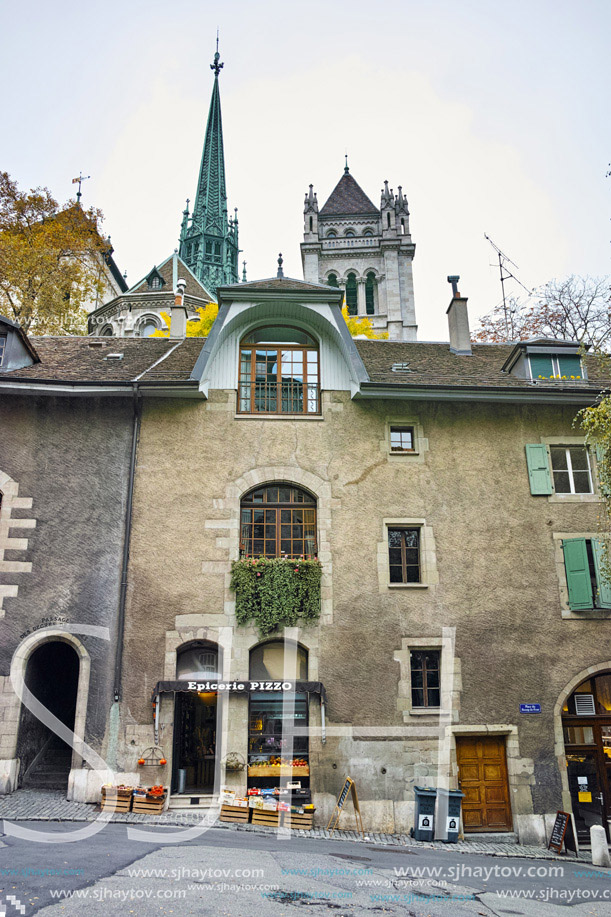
<point x="586" y="726"/>
<point x="52" y="675"/>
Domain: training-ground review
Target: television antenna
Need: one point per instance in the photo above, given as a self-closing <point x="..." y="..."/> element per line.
<point x="505" y="274"/>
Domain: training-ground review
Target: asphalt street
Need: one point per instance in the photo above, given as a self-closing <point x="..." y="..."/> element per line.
<point x="238" y="874"/>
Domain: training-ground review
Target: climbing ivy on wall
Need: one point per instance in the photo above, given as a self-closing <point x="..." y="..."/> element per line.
<point x="276" y="592"/>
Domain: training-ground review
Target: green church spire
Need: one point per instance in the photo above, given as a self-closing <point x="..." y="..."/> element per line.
<point x="208" y="239"/>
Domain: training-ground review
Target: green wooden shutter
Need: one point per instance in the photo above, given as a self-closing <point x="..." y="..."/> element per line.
<point x="540" y="365"/>
<point x="600" y="452"/>
<point x="577" y="573"/>
<point x="539" y="474"/>
<point x="570" y="365"/>
<point x="604" y="586"/>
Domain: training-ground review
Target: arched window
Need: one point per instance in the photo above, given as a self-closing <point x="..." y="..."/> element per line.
<point x="147" y="327"/>
<point x="350" y="233"/>
<point x="402" y="226"/>
<point x="388" y="220"/>
<point x="278" y="520"/>
<point x="351" y="295"/>
<point x="270" y="736"/>
<point x="332" y="280"/>
<point x="311" y="224"/>
<point x="368" y="232"/>
<point x="279" y="372"/>
<point x="155" y="283"/>
<point x="107" y="331"/>
<point x="331" y="234"/>
<point x="370" y="282"/>
<point x="198" y="660"/>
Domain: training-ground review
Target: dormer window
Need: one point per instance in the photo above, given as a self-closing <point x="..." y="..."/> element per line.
<point x="155" y="281"/>
<point x="279" y="372"/>
<point x="555" y="366"/>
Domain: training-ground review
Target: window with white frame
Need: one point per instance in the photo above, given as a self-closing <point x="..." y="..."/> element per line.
<point x="571" y="469"/>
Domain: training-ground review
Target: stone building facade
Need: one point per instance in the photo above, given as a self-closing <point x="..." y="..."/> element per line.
<point x="446" y="493"/>
<point x="366" y="251"/>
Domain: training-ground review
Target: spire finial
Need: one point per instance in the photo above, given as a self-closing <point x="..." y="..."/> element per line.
<point x="243" y="272"/>
<point x="346" y="169"/>
<point x="280" y="271"/>
<point x="216" y="66"/>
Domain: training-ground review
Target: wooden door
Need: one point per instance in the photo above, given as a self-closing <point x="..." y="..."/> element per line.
<point x="482" y="774"/>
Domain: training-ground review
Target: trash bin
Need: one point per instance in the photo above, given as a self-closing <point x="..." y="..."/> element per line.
<point x="449" y="809"/>
<point x="424" y="817"/>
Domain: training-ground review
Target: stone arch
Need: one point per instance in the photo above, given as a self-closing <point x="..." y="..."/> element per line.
<point x="19" y="665"/>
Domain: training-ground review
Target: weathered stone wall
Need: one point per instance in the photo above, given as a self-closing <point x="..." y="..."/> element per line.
<point x="63" y="474"/>
<point x="492" y="548"/>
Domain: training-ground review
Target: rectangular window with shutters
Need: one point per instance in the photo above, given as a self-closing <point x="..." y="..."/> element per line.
<point x="583" y="563"/>
<point x="559" y="469"/>
<point x="555" y="366"/>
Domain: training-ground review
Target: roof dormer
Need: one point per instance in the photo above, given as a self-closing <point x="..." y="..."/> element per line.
<point x="544" y="360"/>
<point x="16" y="351"/>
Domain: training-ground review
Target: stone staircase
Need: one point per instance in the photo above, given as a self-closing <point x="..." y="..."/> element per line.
<point x="51" y="770"/>
<point x="191" y="801"/>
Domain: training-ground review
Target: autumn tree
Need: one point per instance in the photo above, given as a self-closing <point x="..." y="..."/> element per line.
<point x="574" y="309"/>
<point x="52" y="260"/>
<point x="362" y="326"/>
<point x="199" y="329"/>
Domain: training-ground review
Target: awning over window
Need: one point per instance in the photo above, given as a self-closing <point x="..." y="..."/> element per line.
<point x="240" y="687"/>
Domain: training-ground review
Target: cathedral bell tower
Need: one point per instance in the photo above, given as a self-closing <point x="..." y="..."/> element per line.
<point x="208" y="238"/>
<point x="366" y="251"/>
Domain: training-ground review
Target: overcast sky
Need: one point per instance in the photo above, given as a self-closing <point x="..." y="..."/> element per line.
<point x="492" y="115"/>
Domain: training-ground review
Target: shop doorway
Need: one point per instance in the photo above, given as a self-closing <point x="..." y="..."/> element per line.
<point x="52" y="675"/>
<point x="482" y="775"/>
<point x="586" y="724"/>
<point x="196" y="720"/>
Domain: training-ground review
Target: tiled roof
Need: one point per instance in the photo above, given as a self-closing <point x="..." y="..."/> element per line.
<point x="73" y="360"/>
<point x="347" y="198"/>
<point x="278" y="283"/>
<point x="433" y="364"/>
<point x="166" y="269"/>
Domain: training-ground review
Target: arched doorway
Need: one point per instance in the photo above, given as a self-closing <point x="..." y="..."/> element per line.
<point x="196" y="720"/>
<point x="586" y="725"/>
<point x="52" y="675"/>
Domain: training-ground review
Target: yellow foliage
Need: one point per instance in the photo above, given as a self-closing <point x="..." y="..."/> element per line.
<point x="200" y="329"/>
<point x="362" y="326"/>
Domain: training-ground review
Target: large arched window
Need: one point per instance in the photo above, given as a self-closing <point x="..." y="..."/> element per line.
<point x="370" y="283"/>
<point x="351" y="295"/>
<point x="278" y="520"/>
<point x="279" y="372"/>
<point x="332" y="280"/>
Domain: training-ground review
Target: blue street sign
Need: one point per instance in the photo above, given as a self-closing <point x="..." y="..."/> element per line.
<point x="530" y="708"/>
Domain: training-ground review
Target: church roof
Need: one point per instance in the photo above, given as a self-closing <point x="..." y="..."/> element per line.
<point x="348" y="198"/>
<point x="194" y="286"/>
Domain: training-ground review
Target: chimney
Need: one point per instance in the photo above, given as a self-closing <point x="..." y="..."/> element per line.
<point x="178" y="312"/>
<point x="458" y="321"/>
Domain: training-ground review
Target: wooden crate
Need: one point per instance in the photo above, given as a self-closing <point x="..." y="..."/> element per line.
<point x="148" y="806"/>
<point x="296" y="820"/>
<point x="272" y="770"/>
<point x="236" y="814"/>
<point x="265" y="817"/>
<point x="115" y="800"/>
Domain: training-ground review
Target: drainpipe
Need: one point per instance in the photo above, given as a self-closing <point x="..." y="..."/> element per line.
<point x="126" y="540"/>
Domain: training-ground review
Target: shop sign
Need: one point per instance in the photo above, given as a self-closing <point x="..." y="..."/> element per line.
<point x="530" y="708"/>
<point x="229" y="686"/>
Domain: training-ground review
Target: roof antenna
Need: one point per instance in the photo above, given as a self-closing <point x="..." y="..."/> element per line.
<point x="505" y="274"/>
<point x="346" y="169"/>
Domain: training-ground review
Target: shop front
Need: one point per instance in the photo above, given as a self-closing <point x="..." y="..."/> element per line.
<point x="586" y="723"/>
<point x="249" y="736"/>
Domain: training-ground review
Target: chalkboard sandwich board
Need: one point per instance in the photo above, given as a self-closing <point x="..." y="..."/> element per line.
<point x="348" y="787"/>
<point x="562" y="833"/>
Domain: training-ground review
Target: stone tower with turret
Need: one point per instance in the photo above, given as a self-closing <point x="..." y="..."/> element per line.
<point x="366" y="251"/>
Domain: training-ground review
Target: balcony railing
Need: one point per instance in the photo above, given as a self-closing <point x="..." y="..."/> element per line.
<point x="286" y="397"/>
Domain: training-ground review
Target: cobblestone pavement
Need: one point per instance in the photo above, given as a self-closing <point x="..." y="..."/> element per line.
<point x="52" y="805"/>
